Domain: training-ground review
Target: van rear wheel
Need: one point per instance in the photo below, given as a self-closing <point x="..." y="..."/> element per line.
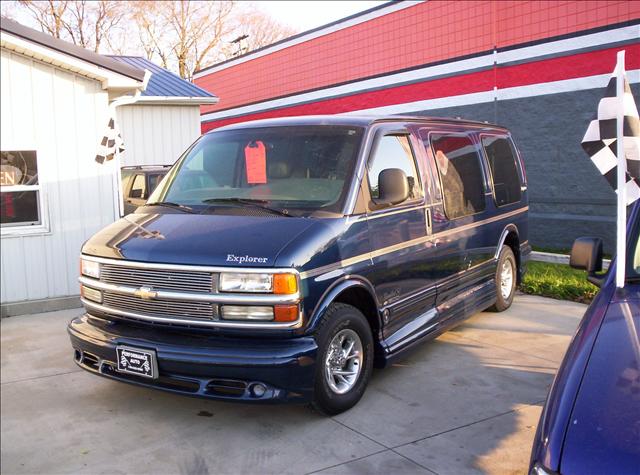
<point x="345" y="359"/>
<point x="505" y="278"/>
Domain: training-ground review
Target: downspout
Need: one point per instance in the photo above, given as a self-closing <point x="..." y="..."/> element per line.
<point x="122" y="101"/>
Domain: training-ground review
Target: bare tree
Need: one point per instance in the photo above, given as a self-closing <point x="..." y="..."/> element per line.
<point x="85" y="23"/>
<point x="48" y="14"/>
<point x="107" y="16"/>
<point x="262" y="30"/>
<point x="183" y="34"/>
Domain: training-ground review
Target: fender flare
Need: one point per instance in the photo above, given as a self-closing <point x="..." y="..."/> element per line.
<point x="329" y="296"/>
<point x="503" y="237"/>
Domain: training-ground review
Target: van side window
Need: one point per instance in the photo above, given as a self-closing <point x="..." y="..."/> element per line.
<point x="393" y="151"/>
<point x="139" y="188"/>
<point x="460" y="174"/>
<point x="504" y="171"/>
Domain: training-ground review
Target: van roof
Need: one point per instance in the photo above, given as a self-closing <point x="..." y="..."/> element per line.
<point x="355" y="120"/>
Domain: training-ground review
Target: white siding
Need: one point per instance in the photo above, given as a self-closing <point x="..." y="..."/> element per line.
<point x="62" y="116"/>
<point x="157" y="134"/>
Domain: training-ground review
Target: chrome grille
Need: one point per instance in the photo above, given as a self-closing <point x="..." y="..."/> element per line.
<point x="188" y="310"/>
<point x="186" y="281"/>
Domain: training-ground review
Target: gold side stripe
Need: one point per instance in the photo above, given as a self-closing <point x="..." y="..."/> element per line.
<point x="414" y="242"/>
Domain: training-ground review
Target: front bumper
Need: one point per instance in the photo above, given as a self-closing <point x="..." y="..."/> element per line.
<point x="200" y="364"/>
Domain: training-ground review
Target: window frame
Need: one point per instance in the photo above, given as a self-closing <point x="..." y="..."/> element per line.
<point x="366" y="184"/>
<point x="517" y="161"/>
<point x="24" y="228"/>
<point x="481" y="162"/>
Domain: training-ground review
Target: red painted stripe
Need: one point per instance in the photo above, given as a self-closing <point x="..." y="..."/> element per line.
<point x="425" y="33"/>
<point x="538" y="72"/>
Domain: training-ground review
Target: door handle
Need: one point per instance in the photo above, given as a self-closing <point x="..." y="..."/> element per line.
<point x="428" y="220"/>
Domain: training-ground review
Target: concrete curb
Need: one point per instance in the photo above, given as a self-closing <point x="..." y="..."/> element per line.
<point x="27" y="307"/>
<point x="559" y="258"/>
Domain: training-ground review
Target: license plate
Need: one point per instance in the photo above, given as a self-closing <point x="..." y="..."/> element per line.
<point x="137" y="361"/>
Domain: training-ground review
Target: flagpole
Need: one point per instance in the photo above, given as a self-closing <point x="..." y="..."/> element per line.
<point x="118" y="164"/>
<point x="621" y="233"/>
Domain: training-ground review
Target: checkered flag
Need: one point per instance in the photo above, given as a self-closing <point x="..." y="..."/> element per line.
<point x="110" y="144"/>
<point x="601" y="144"/>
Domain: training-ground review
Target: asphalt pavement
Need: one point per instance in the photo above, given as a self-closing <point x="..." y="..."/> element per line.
<point x="467" y="402"/>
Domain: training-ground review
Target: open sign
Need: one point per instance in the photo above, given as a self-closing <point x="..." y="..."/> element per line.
<point x="10" y="175"/>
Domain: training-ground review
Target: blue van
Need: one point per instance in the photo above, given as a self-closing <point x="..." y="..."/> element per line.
<point x="591" y="419"/>
<point x="280" y="260"/>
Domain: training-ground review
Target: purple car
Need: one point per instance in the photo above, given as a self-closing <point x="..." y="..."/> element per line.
<point x="591" y="420"/>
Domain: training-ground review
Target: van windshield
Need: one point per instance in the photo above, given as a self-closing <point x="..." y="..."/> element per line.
<point x="305" y="168"/>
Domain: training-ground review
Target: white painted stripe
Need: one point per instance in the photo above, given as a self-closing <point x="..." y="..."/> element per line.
<point x="423" y="74"/>
<point x="391" y="8"/>
<point x="352" y="88"/>
<point x="452" y="101"/>
<point x="567" y="85"/>
<point x="627" y="33"/>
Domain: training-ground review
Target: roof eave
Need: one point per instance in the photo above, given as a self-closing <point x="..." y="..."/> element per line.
<point x="177" y="100"/>
<point x="110" y="80"/>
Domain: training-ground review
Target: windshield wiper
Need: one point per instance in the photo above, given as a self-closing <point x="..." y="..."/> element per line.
<point x="169" y="204"/>
<point x="254" y="202"/>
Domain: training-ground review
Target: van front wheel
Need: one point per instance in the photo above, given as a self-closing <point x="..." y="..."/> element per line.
<point x="506" y="275"/>
<point x="345" y="359"/>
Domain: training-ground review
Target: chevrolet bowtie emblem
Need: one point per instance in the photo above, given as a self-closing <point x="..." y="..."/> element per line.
<point x="146" y="293"/>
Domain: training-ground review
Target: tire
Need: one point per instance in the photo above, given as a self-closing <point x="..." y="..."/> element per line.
<point x="505" y="293"/>
<point x="342" y="325"/>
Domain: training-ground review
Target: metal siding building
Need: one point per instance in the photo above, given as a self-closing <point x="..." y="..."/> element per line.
<point x="55" y="103"/>
<point x="145" y="131"/>
<point x="535" y="67"/>
<point x="166" y="118"/>
<point x="60" y="115"/>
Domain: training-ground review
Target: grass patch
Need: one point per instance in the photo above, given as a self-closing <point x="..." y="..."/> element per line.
<point x="558" y="281"/>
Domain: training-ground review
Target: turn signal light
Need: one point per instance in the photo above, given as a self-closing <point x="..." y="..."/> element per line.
<point x="285" y="284"/>
<point x="285" y="313"/>
<point x="91" y="294"/>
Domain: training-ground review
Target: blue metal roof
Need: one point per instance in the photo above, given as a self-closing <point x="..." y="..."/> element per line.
<point x="163" y="82"/>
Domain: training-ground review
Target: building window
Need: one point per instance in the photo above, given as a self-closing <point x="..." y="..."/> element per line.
<point x="393" y="151"/>
<point x="19" y="189"/>
<point x="504" y="171"/>
<point x="460" y="174"/>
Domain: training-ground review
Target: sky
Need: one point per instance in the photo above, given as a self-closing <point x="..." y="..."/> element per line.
<point x="305" y="15"/>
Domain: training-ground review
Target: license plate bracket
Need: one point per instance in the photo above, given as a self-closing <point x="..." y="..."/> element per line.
<point x="137" y="361"/>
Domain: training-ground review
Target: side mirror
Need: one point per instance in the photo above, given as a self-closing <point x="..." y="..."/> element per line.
<point x="136" y="193"/>
<point x="586" y="254"/>
<point x="393" y="187"/>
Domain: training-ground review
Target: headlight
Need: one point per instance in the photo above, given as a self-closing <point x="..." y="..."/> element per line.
<point x="282" y="284"/>
<point x="90" y="268"/>
<point x="236" y="282"/>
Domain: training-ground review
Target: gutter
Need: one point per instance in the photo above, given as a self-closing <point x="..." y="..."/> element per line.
<point x="127" y="99"/>
<point x="117" y="102"/>
<point x="177" y="100"/>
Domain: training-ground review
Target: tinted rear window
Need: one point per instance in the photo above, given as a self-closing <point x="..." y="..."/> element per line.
<point x="460" y="174"/>
<point x="504" y="170"/>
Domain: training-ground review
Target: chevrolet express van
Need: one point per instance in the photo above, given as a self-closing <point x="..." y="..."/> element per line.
<point x="280" y="260"/>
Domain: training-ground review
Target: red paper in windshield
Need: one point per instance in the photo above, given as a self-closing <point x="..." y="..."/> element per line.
<point x="255" y="158"/>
